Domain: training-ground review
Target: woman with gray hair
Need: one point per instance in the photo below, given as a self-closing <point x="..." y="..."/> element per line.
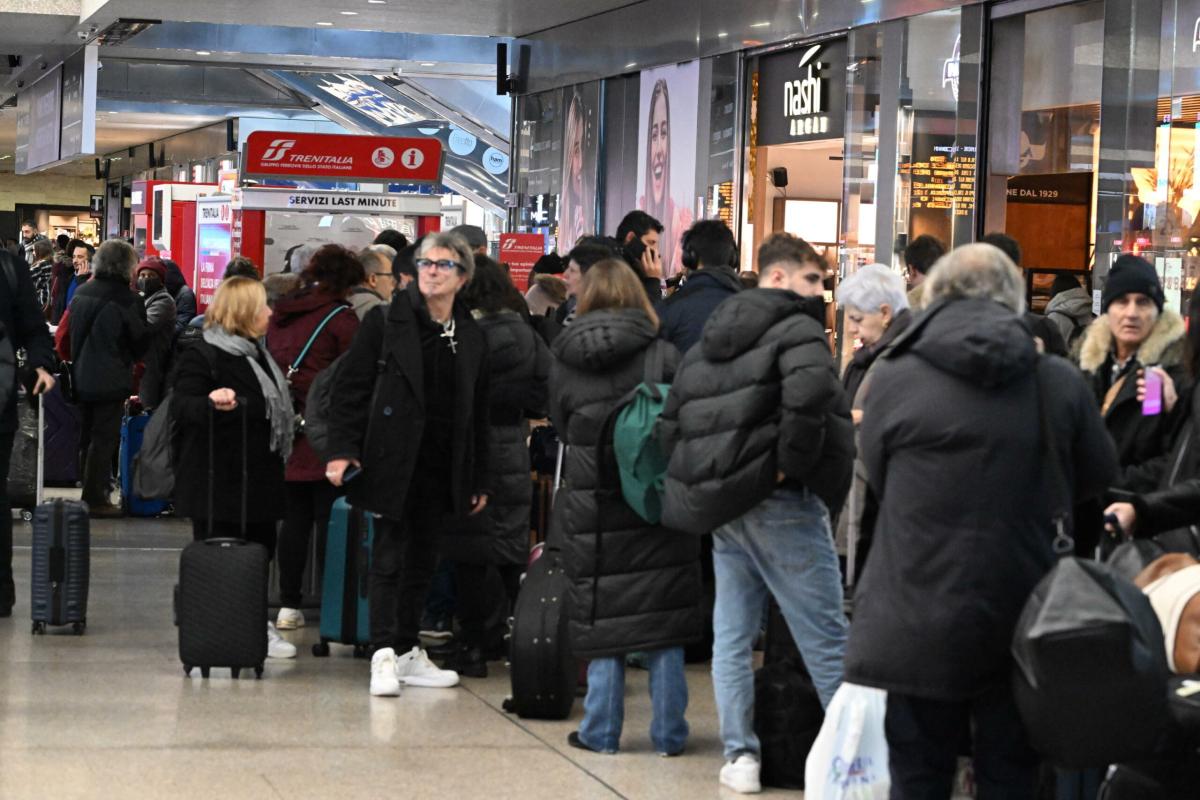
<point x="106" y="328"/>
<point x="876" y="304"/>
<point x="409" y="420"/>
<point x="955" y="452"/>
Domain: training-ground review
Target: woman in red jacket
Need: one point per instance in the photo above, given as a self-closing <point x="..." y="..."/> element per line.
<point x="311" y="327"/>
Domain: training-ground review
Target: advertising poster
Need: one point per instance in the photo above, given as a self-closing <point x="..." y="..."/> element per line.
<point x="214" y="249"/>
<point x="577" y="208"/>
<point x="667" y="115"/>
<point x="520" y="251"/>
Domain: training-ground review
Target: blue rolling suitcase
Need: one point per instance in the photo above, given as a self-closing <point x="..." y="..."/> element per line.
<point x="345" y="613"/>
<point x="133" y="429"/>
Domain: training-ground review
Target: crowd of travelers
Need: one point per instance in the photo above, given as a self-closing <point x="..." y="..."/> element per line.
<point x="904" y="470"/>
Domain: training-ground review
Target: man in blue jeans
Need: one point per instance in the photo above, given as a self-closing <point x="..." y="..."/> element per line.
<point x="762" y="446"/>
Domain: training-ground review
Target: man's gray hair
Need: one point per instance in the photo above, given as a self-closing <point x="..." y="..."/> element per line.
<point x="115" y="259"/>
<point x="383" y="255"/>
<point x="873" y="287"/>
<point x="301" y="256"/>
<point x="453" y="242"/>
<point x="976" y="271"/>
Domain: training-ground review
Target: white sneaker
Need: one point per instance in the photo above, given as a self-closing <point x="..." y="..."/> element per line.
<point x="277" y="646"/>
<point x="289" y="619"/>
<point x="384" y="682"/>
<point x="415" y="669"/>
<point x="741" y="775"/>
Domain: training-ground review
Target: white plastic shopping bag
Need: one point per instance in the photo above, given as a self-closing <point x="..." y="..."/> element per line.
<point x="849" y="760"/>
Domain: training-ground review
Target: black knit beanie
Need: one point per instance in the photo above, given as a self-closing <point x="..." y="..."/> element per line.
<point x="1132" y="275"/>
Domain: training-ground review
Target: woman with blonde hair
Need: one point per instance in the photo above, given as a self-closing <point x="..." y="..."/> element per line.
<point x="635" y="586"/>
<point x="228" y="387"/>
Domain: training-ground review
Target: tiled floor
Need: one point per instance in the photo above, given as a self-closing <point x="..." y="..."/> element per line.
<point x="111" y="715"/>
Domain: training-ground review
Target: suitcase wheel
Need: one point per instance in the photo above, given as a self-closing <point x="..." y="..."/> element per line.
<point x="39" y="628"/>
<point x="236" y="673"/>
<point x="27" y="515"/>
<point x="78" y="628"/>
<point x="204" y="672"/>
<point x="258" y="672"/>
<point x="187" y="670"/>
<point x="320" y="650"/>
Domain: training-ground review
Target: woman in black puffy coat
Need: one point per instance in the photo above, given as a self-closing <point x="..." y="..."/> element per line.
<point x="634" y="586"/>
<point x="497" y="540"/>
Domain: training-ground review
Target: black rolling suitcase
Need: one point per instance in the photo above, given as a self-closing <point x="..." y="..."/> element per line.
<point x="544" y="670"/>
<point x="61" y="565"/>
<point x="221" y="600"/>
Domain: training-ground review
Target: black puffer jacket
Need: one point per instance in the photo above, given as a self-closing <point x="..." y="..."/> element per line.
<point x="758" y="396"/>
<point x="634" y="586"/>
<point x="108" y="334"/>
<point x="951" y="441"/>
<point x="1176" y="501"/>
<point x="1142" y="442"/>
<point x="519" y="368"/>
<point x="24" y="326"/>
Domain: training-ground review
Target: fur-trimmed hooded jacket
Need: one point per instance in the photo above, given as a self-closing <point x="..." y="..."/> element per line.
<point x="1142" y="442"/>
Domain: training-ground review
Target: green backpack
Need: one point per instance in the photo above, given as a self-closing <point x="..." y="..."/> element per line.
<point x="641" y="462"/>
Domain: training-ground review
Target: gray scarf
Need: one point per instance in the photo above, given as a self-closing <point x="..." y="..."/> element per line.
<point x="278" y="400"/>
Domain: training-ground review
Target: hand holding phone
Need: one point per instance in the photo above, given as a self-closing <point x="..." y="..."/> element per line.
<point x="1152" y="402"/>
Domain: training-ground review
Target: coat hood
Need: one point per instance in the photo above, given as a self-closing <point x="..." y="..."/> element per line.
<point x="509" y="339"/>
<point x="721" y="277"/>
<point x="1163" y="346"/>
<point x="299" y="304"/>
<point x="976" y="340"/>
<point x="174" y="280"/>
<point x="601" y="340"/>
<point x="1075" y="303"/>
<point x="554" y="287"/>
<point x="740" y="322"/>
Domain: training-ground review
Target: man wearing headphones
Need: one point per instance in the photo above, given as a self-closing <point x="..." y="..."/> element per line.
<point x="710" y="256"/>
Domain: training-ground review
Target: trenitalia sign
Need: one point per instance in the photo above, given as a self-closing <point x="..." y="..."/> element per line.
<point x="326" y="156"/>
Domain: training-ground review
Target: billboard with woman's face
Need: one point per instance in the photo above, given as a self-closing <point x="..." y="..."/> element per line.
<point x="577" y="201"/>
<point x="667" y="157"/>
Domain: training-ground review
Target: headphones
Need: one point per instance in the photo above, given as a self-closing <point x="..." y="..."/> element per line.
<point x="691" y="261"/>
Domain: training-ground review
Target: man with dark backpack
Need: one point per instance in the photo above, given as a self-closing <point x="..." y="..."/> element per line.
<point x="22" y="326"/>
<point x="710" y="256"/>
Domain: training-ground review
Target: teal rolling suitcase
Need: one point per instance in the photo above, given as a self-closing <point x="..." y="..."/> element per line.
<point x="345" y="614"/>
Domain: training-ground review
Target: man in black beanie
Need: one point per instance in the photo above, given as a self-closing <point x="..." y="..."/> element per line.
<point x="1135" y="333"/>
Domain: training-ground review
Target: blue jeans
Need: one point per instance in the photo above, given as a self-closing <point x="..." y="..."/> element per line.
<point x="782" y="546"/>
<point x="604" y="706"/>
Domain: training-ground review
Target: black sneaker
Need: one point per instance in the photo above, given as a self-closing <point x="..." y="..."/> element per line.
<point x="6" y="612"/>
<point x="437" y="628"/>
<point x="468" y="662"/>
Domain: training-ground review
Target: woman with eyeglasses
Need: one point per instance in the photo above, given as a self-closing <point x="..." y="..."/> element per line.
<point x="410" y="425"/>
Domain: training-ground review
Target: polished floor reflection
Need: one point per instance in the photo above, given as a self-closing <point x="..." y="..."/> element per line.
<point x="111" y="715"/>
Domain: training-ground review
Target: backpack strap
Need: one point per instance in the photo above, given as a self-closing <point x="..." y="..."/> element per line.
<point x="295" y="365"/>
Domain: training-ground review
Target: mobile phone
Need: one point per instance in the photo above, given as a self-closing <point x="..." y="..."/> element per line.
<point x="1152" y="402"/>
<point x="351" y="473"/>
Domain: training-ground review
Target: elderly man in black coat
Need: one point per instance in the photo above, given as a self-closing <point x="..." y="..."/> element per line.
<point x="21" y="326"/>
<point x="954" y="450"/>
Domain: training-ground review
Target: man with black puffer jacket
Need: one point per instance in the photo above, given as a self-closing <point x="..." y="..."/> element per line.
<point x="710" y="251"/>
<point x="762" y="446"/>
<point x="107" y="333"/>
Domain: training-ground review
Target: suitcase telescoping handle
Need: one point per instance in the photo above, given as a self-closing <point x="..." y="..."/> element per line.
<point x="241" y="403"/>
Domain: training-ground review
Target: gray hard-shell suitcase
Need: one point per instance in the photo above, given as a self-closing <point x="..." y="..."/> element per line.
<point x="61" y="565"/>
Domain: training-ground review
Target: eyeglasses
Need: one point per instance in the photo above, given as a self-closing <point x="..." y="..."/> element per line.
<point x="444" y="265"/>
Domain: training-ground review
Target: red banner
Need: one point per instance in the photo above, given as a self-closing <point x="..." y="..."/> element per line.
<point x="521" y="251"/>
<point x="329" y="156"/>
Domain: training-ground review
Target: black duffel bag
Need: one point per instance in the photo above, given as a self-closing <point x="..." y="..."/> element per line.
<point x="1091" y="668"/>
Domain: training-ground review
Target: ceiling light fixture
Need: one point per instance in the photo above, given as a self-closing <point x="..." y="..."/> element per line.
<point x="722" y="35"/>
<point x="377" y="2"/>
<point x="204" y="52"/>
<point x="761" y="25"/>
<point x="428" y="63"/>
<point x="631" y="65"/>
<point x="325" y="24"/>
<point x="348" y="13"/>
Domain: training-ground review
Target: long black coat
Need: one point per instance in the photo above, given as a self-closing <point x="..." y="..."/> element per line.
<point x="684" y="313"/>
<point x="1175" y="503"/>
<point x="22" y="320"/>
<point x="378" y="413"/>
<point x="950" y="438"/>
<point x="194" y="380"/>
<point x="1142" y="442"/>
<point x="107" y="328"/>
<point x="634" y="586"/>
<point x="758" y="396"/>
<point x="519" y="371"/>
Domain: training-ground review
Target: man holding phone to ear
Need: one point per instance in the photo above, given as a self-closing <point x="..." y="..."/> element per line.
<point x="639" y="235"/>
